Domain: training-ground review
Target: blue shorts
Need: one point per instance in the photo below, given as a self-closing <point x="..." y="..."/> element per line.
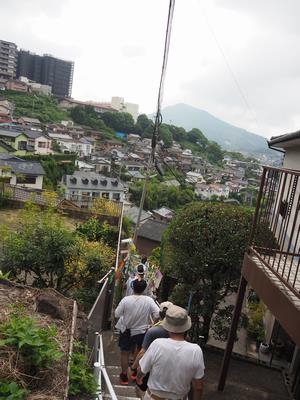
<point x="126" y="342"/>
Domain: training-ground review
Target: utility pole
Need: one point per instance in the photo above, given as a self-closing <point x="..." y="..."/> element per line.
<point x="140" y="210"/>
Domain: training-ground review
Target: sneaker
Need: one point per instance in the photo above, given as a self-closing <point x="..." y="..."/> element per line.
<point x="133" y="374"/>
<point x="123" y="379"/>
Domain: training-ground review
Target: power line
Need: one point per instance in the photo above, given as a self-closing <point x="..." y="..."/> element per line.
<point x="158" y="116"/>
<point x="231" y="72"/>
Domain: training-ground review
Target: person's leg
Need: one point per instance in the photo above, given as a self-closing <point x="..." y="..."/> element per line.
<point x="124" y="361"/>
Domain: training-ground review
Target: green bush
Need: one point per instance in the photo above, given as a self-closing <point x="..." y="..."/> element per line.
<point x="94" y="230"/>
<point x="82" y="380"/>
<point x="11" y="391"/>
<point x="36" y="344"/>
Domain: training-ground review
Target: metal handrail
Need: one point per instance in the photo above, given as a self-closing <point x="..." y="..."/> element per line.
<point x="99" y="370"/>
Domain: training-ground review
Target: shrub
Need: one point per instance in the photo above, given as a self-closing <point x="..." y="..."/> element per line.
<point x="36" y="344"/>
<point x="11" y="391"/>
<point x="82" y="380"/>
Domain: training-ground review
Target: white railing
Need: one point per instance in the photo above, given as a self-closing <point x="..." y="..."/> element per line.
<point x="100" y="370"/>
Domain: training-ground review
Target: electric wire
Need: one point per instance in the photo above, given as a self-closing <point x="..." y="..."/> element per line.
<point x="158" y="116"/>
<point x="230" y="70"/>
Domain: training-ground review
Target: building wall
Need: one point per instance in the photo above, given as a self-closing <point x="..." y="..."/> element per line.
<point x="20" y="138"/>
<point x="145" y="246"/>
<point x="292" y="158"/>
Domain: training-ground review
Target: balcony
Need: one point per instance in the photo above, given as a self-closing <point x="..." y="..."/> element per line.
<point x="272" y="263"/>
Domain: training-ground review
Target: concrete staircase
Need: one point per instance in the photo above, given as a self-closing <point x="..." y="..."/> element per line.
<point x="112" y="363"/>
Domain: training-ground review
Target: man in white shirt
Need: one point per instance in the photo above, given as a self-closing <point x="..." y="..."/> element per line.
<point x="134" y="313"/>
<point x="173" y="363"/>
<point x="140" y="274"/>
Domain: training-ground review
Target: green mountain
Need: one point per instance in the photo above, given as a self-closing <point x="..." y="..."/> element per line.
<point x="229" y="137"/>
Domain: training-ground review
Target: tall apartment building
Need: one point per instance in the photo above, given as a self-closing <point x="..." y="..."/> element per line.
<point x="8" y="59"/>
<point x="47" y="70"/>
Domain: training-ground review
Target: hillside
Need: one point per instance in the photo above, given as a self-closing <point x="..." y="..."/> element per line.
<point x="42" y="107"/>
<point x="229" y="137"/>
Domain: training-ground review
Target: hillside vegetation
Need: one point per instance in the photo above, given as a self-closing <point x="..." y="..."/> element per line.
<point x="45" y="108"/>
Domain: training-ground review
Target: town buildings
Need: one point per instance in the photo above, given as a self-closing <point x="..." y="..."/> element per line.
<point x="120" y="105"/>
<point x="8" y="60"/>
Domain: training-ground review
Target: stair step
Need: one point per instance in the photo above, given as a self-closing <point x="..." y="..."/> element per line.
<point x="121" y="390"/>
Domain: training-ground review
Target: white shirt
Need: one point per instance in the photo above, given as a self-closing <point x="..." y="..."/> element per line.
<point x="135" y="311"/>
<point x="172" y="365"/>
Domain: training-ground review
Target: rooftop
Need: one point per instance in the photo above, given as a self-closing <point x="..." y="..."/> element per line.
<point x="19" y="166"/>
<point x="92" y="181"/>
<point x="152" y="230"/>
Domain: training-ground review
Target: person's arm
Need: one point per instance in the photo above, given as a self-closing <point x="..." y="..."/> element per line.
<point x="197" y="388"/>
<point x="119" y="309"/>
<point x="154" y="310"/>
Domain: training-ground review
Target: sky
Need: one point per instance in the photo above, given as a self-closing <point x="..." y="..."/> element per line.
<point x="237" y="59"/>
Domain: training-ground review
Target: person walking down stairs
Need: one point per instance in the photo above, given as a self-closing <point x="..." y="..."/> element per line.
<point x="134" y="313"/>
<point x="174" y="364"/>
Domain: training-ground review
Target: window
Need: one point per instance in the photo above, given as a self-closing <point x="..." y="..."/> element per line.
<point x="116" y="196"/>
<point x="22" y="145"/>
<point x="42" y="145"/>
<point x="95" y="194"/>
<point x="27" y="179"/>
<point x="105" y="195"/>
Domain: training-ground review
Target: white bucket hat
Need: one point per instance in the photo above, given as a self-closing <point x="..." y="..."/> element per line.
<point x="176" y="320"/>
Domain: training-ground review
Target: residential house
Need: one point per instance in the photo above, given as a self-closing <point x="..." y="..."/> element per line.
<point x="163" y="214"/>
<point x="16" y="139"/>
<point x="32" y="123"/>
<point x="16" y="85"/>
<point x="271" y="262"/>
<point x="68" y="103"/>
<point x="39" y="143"/>
<point x="185" y="160"/>
<point x="133" y="138"/>
<point x="149" y="236"/>
<point x="194" y="177"/>
<point x="136" y="176"/>
<point x="83" y="187"/>
<point x="83" y="146"/>
<point x="6" y="148"/>
<point x="20" y="172"/>
<point x="209" y="191"/>
<point x="102" y="165"/>
<point x="133" y="212"/>
<point x="84" y="166"/>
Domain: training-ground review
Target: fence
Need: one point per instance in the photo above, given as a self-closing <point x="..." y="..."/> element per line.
<point x="275" y="236"/>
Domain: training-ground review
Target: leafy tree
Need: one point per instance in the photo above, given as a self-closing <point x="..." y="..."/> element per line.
<point x="94" y="231"/>
<point x="87" y="116"/>
<point x="51" y="254"/>
<point x="179" y="134"/>
<point x="143" y="121"/>
<point x="158" y="195"/>
<point x="214" y="152"/>
<point x="165" y="135"/>
<point x="203" y="249"/>
<point x="119" y="121"/>
<point x="196" y="136"/>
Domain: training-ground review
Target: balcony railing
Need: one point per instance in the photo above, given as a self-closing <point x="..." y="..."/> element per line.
<point x="275" y="236"/>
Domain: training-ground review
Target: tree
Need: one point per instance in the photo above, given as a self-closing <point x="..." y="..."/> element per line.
<point x="119" y="121"/>
<point x="215" y="153"/>
<point x="51" y="254"/>
<point x="197" y="137"/>
<point x="203" y="249"/>
<point x="143" y="121"/>
<point x="165" y="135"/>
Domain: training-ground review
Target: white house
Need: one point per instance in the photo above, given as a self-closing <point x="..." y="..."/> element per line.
<point x="206" y="192"/>
<point x="83" y="146"/>
<point x="84" y="187"/>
